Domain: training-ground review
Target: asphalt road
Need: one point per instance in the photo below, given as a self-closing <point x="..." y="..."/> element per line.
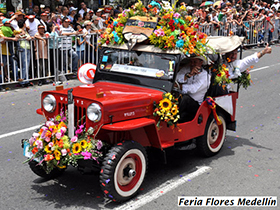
<point x="248" y="164"/>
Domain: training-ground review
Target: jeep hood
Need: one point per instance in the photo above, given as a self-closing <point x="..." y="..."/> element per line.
<point x="118" y="99"/>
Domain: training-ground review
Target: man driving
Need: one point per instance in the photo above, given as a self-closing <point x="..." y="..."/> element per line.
<point x="194" y="81"/>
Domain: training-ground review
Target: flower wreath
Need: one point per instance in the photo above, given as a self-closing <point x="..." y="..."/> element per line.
<point x="175" y="29"/>
<point x="51" y="147"/>
<point x="167" y="110"/>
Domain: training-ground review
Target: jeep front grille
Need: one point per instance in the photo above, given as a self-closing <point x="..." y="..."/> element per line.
<point x="79" y="113"/>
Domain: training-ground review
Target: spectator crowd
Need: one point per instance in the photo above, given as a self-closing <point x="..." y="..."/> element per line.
<point x="29" y="41"/>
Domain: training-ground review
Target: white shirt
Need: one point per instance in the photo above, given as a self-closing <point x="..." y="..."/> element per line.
<point x="14" y="24"/>
<point x="82" y="12"/>
<point x="196" y="86"/>
<point x="235" y="68"/>
<point x="33" y="26"/>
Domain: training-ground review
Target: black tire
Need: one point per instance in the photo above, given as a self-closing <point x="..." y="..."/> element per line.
<point x="214" y="136"/>
<point x="123" y="171"/>
<point x="38" y="170"/>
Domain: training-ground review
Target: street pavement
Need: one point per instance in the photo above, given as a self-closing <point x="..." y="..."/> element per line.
<point x="248" y="164"/>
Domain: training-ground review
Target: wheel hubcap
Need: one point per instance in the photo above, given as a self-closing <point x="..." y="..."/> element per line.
<point x="126" y="172"/>
<point x="214" y="133"/>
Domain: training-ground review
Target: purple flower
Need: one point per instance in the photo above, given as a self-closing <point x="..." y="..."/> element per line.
<point x="87" y="155"/>
<point x="99" y="144"/>
<point x="43" y="135"/>
<point x="79" y="131"/>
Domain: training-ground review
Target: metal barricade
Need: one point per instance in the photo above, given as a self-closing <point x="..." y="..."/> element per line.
<point x="40" y="60"/>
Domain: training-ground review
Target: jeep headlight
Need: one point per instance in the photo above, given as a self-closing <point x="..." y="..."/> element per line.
<point x="94" y="112"/>
<point x="49" y="103"/>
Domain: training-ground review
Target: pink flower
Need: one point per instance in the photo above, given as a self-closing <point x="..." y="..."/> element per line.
<point x="79" y="131"/>
<point x="141" y="24"/>
<point x="50" y="144"/>
<point x="176" y="15"/>
<point x="99" y="144"/>
<point x="74" y="139"/>
<point x="63" y="129"/>
<point x="49" y="123"/>
<point x="159" y="32"/>
<point x="36" y="135"/>
<point x="47" y="139"/>
<point x="31" y="140"/>
<point x="87" y="155"/>
<point x="39" y="144"/>
<point x="58" y="135"/>
<point x="44" y="128"/>
<point x="63" y="152"/>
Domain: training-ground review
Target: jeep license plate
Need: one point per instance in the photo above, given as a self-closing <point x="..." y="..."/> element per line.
<point x="26" y="153"/>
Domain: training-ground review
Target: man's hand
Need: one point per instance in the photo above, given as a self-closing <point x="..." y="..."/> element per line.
<point x="267" y="49"/>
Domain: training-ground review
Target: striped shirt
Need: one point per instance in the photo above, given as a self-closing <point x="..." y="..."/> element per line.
<point x="66" y="41"/>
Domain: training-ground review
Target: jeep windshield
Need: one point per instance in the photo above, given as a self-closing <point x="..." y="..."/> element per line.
<point x="138" y="67"/>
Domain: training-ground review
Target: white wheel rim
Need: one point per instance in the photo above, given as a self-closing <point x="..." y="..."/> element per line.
<point x="215" y="134"/>
<point x="118" y="174"/>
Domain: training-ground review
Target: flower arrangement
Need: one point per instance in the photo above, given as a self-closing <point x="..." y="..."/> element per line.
<point x="175" y="29"/>
<point x="245" y="79"/>
<point x="167" y="110"/>
<point x="222" y="75"/>
<point x="52" y="147"/>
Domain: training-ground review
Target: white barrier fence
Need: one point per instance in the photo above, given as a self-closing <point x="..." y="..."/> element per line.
<point x="47" y="59"/>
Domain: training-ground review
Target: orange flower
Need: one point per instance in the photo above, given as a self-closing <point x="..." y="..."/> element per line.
<point x="62" y="124"/>
<point x="35" y="150"/>
<point x="49" y="157"/>
<point x="48" y="134"/>
<point x="60" y="143"/>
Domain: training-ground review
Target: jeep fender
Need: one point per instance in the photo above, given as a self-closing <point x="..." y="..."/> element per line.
<point x="141" y="130"/>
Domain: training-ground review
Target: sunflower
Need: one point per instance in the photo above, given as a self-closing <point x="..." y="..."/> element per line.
<point x="165" y="104"/>
<point x="48" y="149"/>
<point x="57" y="154"/>
<point x="83" y="144"/>
<point x="174" y="110"/>
<point x="77" y="148"/>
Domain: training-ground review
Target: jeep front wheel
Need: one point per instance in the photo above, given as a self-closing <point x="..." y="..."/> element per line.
<point x="123" y="171"/>
<point x="214" y="136"/>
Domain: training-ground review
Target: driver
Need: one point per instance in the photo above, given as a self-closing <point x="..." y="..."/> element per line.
<point x="194" y="81"/>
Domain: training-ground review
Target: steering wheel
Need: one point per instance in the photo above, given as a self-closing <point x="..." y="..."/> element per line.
<point x="176" y="88"/>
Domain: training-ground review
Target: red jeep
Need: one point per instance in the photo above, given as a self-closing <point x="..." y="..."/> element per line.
<point x="120" y="103"/>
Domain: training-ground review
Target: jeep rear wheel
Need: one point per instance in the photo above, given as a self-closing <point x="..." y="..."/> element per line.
<point x="123" y="171"/>
<point x="214" y="136"/>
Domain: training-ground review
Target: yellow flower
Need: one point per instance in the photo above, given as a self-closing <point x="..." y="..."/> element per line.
<point x="165" y="104"/>
<point x="83" y="144"/>
<point x="48" y="149"/>
<point x="174" y="110"/>
<point x="57" y="154"/>
<point x="77" y="148"/>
